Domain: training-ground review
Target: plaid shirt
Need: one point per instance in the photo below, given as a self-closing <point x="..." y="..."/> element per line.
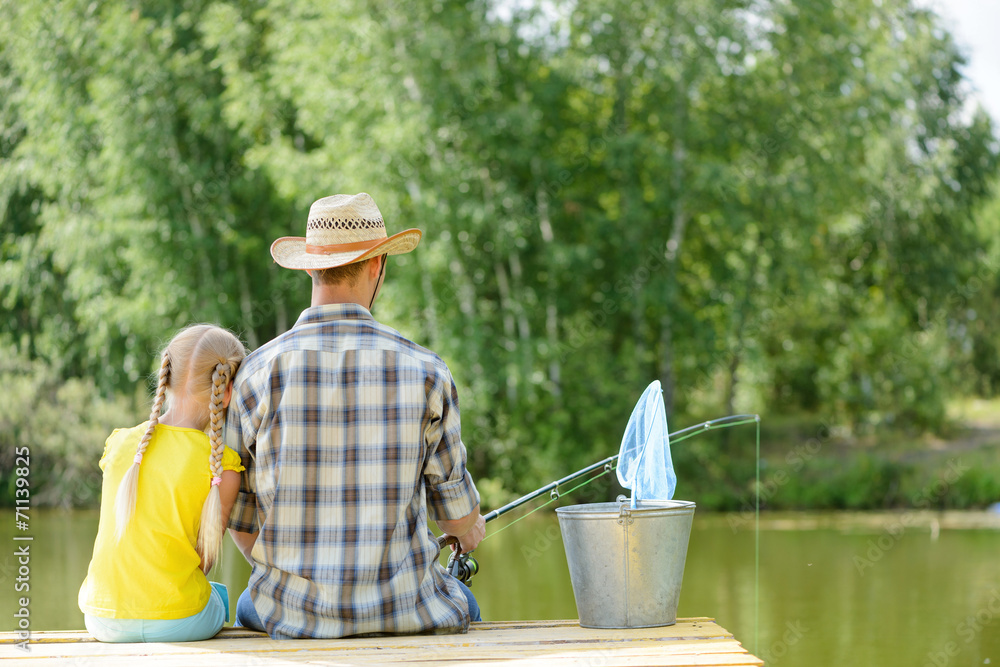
<point x="351" y="439"/>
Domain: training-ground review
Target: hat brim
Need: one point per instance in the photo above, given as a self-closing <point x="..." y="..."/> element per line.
<point x="290" y="251"/>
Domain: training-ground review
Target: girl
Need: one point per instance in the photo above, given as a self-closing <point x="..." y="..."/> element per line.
<point x="163" y="532"/>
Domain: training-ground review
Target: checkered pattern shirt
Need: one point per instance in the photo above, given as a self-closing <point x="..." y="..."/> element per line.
<point x="351" y="439"/>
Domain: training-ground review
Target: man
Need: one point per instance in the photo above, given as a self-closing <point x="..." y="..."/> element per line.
<point x="351" y="439"/>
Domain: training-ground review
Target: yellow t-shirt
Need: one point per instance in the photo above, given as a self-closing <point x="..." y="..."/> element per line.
<point x="153" y="573"/>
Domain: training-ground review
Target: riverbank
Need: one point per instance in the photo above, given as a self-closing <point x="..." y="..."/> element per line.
<point x="871" y="480"/>
<point x="805" y="464"/>
<point x="809" y="465"/>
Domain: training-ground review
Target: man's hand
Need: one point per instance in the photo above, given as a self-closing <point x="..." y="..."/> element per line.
<point x="469" y="530"/>
<point x="471" y="539"/>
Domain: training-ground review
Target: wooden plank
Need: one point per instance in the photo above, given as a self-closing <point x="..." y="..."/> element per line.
<point x="541" y="658"/>
<point x="624" y="658"/>
<point x="509" y="651"/>
<point x="702" y="624"/>
<point x="496" y="631"/>
<point x="697" y="641"/>
<point x="744" y="660"/>
<point x="484" y="652"/>
<point x="479" y="636"/>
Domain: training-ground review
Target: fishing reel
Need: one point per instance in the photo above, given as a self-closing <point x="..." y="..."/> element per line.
<point x="463" y="567"/>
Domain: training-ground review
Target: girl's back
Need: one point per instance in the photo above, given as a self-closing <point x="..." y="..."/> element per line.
<point x="167" y="492"/>
<point x="153" y="572"/>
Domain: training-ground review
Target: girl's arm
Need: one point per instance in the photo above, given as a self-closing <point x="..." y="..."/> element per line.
<point x="228" y="489"/>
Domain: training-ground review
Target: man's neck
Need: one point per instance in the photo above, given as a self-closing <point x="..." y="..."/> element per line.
<point x="328" y="295"/>
<point x="361" y="292"/>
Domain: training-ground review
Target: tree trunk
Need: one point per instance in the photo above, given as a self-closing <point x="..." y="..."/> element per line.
<point x="508" y="322"/>
<point x="246" y="306"/>
<point x="734" y="366"/>
<point x="280" y="306"/>
<point x="551" y="309"/>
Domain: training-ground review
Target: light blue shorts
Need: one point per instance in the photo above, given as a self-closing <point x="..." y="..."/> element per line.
<point x="203" y="625"/>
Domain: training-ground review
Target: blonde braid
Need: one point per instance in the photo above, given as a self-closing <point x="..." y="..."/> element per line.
<point x="211" y="530"/>
<point x="129" y="487"/>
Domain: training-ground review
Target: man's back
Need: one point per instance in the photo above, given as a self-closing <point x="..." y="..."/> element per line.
<point x="351" y="438"/>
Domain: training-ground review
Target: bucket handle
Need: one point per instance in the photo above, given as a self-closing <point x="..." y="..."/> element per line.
<point x="624" y="512"/>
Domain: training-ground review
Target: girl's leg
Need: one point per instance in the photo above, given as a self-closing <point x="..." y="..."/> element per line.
<point x="224" y="594"/>
<point x="114" y="630"/>
<point x="203" y="625"/>
<point x="246" y="614"/>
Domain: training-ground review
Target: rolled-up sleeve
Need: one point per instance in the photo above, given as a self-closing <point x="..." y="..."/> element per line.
<point x="451" y="493"/>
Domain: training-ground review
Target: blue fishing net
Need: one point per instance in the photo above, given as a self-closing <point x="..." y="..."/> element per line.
<point x="644" y="463"/>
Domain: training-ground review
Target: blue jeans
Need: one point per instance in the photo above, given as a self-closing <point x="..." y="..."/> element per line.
<point x="203" y="625"/>
<point x="474" y="614"/>
<point x="246" y="614"/>
<point x="247" y="617"/>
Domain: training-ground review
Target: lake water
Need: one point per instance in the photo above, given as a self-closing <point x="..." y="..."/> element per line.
<point x="834" y="589"/>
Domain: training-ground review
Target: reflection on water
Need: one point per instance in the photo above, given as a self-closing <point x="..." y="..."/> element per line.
<point x="896" y="589"/>
<point x="834" y="589"/>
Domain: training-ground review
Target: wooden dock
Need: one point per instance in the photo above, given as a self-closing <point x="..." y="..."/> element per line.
<point x="691" y="641"/>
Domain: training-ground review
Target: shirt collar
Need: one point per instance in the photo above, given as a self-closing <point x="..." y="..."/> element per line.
<point x="334" y="311"/>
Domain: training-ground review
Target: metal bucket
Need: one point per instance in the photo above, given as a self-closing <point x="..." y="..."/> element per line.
<point x="626" y="564"/>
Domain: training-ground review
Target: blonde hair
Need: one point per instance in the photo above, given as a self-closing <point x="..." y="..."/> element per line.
<point x="199" y="361"/>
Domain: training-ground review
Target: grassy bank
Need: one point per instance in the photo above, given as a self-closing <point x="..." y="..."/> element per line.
<point x="807" y="465"/>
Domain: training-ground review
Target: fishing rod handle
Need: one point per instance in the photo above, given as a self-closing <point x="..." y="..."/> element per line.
<point x="446" y="540"/>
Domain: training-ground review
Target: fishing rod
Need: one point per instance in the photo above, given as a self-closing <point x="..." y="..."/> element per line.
<point x="462" y="566"/>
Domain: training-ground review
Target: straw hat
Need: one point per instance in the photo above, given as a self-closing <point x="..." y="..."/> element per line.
<point x="342" y="229"/>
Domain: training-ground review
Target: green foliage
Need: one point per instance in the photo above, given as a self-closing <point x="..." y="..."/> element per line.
<point x="767" y="206"/>
<point x="62" y="423"/>
<point x="880" y="374"/>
